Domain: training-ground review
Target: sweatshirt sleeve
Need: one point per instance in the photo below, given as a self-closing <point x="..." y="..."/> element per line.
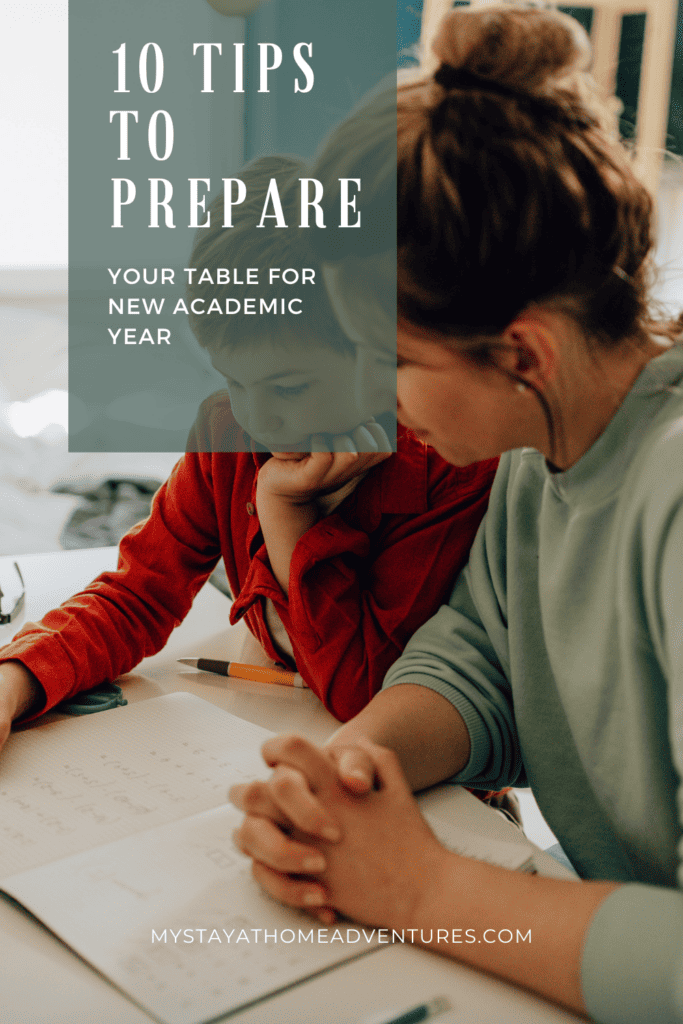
<point x="461" y="653"/>
<point x="632" y="965"/>
<point x="127" y="615"/>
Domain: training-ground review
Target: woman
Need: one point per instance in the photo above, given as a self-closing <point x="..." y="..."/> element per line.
<point x="523" y="329"/>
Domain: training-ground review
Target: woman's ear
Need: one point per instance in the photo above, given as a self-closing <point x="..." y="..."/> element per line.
<point x="530" y="348"/>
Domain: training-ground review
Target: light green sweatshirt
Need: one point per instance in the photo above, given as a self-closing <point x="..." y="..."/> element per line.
<point x="562" y="648"/>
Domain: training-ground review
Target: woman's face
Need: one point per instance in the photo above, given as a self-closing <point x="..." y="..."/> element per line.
<point x="466" y="412"/>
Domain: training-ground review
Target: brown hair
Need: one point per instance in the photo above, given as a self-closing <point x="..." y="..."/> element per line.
<point x="510" y="191"/>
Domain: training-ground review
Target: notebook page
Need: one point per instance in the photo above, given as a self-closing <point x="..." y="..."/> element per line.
<point x="492" y="851"/>
<point x="75" y="784"/>
<point x="218" y="941"/>
<point x="450" y="802"/>
<point x="468" y="827"/>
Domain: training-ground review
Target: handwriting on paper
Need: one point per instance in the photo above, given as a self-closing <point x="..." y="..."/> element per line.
<point x="81" y="783"/>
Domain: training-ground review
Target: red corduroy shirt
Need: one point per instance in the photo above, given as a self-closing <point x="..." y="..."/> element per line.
<point x="362" y="579"/>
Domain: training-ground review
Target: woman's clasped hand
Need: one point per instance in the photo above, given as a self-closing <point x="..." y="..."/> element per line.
<point x="338" y="829"/>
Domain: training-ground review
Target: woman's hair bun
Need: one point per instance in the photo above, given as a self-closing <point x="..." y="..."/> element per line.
<point x="526" y="49"/>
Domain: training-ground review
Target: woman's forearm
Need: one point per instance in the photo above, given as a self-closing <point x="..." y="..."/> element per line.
<point x="524" y="928"/>
<point x="385" y="868"/>
<point x="423" y="729"/>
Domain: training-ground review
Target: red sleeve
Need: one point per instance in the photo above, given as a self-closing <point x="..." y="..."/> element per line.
<point x="356" y="598"/>
<point x="126" y="615"/>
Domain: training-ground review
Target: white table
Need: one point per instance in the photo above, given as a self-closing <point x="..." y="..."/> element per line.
<point x="44" y="982"/>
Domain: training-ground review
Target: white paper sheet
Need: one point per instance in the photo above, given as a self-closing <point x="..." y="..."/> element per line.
<point x="185" y="879"/>
<point x="76" y="784"/>
<point x="115" y="833"/>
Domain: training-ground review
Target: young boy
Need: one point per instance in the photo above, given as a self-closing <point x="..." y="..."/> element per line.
<point x="334" y="558"/>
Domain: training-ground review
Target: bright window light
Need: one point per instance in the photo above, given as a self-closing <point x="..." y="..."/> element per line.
<point x="27" y="419"/>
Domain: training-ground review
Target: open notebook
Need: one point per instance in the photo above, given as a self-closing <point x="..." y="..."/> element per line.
<point x="115" y="834"/>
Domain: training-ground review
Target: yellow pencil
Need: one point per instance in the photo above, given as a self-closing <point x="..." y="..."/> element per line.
<point x="257" y="673"/>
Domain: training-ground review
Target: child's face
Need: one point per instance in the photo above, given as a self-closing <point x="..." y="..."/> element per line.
<point x="281" y="395"/>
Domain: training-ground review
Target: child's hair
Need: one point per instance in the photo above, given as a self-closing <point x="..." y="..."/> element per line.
<point x="511" y="191"/>
<point x="246" y="246"/>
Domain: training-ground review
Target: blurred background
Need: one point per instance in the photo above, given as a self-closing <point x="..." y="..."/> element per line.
<point x="639" y="53"/>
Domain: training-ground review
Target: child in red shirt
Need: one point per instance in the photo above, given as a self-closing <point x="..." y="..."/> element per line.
<point x="334" y="558"/>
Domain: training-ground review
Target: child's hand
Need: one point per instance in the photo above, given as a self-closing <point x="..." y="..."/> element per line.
<point x="19" y="692"/>
<point x="301" y="481"/>
<point x="368" y="437"/>
<point x="300" y="478"/>
<point x="289" y="484"/>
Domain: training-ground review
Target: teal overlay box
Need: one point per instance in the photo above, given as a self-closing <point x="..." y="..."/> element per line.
<point x="170" y="105"/>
